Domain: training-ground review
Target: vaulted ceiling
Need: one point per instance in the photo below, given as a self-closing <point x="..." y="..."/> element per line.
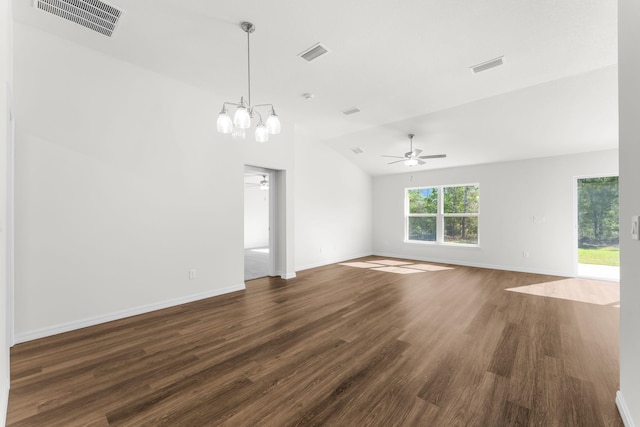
<point x="405" y="65"/>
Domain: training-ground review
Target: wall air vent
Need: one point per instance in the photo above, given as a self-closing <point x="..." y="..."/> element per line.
<point x="351" y="110"/>
<point x="93" y="14"/>
<point x="495" y="62"/>
<point x="313" y="52"/>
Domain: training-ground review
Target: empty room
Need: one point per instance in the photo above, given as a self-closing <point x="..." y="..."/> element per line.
<point x="333" y="213"/>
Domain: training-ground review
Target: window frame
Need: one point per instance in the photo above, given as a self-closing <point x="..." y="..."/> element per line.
<point x="440" y="216"/>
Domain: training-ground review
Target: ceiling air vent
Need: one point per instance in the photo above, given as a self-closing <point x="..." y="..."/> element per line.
<point x="351" y="110"/>
<point x="93" y="14"/>
<point x="357" y="150"/>
<point x="313" y="52"/>
<point x="495" y="62"/>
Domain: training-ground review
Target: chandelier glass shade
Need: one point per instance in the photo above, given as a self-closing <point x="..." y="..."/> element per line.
<point x="245" y="112"/>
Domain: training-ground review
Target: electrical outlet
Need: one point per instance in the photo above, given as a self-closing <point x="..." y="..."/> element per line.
<point x="193" y="274"/>
<point x="539" y="219"/>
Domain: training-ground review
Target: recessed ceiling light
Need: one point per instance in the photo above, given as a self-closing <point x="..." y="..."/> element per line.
<point x="495" y="62"/>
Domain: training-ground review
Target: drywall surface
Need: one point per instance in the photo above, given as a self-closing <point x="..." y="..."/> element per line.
<point x="256" y="217"/>
<point x="6" y="52"/>
<point x="332" y="206"/>
<point x="526" y="208"/>
<point x="123" y="185"/>
<point x="629" y="93"/>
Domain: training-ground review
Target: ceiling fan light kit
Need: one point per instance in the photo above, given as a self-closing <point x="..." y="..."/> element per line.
<point x="263" y="184"/>
<point x="412" y="157"/>
<point x="245" y="111"/>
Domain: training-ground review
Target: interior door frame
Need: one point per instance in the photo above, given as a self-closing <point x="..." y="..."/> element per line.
<point x="10" y="221"/>
<point x="274" y="247"/>
<point x="575" y="215"/>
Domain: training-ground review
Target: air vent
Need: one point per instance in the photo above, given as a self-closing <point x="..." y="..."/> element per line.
<point x="495" y="62"/>
<point x="351" y="110"/>
<point x="93" y="14"/>
<point x="357" y="150"/>
<point x="313" y="52"/>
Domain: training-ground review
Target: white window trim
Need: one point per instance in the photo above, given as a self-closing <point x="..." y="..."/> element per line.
<point x="440" y="215"/>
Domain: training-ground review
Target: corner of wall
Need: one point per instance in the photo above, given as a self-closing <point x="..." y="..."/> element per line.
<point x="329" y="261"/>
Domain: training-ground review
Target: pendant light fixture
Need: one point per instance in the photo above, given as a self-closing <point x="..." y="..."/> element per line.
<point x="245" y="111"/>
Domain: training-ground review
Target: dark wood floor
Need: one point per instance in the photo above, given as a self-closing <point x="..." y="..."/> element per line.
<point x="338" y="345"/>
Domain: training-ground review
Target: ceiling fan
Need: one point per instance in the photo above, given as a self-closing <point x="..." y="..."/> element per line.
<point x="412" y="158"/>
<point x="263" y="184"/>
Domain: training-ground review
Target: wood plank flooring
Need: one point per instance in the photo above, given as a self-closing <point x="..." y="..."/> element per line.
<point x="337" y="346"/>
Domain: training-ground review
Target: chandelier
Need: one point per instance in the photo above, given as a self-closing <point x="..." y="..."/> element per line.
<point x="245" y="111"/>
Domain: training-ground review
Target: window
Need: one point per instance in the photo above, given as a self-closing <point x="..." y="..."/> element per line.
<point x="443" y="214"/>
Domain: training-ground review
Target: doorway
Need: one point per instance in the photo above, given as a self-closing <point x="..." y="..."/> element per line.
<point x="258" y="240"/>
<point x="598" y="244"/>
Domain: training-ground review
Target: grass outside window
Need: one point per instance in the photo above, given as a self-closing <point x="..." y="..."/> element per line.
<point x="608" y="255"/>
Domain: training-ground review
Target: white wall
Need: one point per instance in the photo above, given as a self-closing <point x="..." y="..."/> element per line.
<point x="256" y="217"/>
<point x="6" y="52"/>
<point x="511" y="194"/>
<point x="332" y="206"/>
<point x="629" y="110"/>
<point x="122" y="186"/>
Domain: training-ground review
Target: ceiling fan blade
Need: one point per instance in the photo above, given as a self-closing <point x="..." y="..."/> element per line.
<point x="397" y="161"/>
<point x="416" y="152"/>
<point x="433" y="156"/>
<point x="421" y="162"/>
<point x="395" y="157"/>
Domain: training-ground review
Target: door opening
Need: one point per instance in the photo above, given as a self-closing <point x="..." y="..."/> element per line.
<point x="598" y="246"/>
<point x="258" y="242"/>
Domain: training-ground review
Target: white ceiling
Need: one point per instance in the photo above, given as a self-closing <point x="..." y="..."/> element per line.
<point x="404" y="64"/>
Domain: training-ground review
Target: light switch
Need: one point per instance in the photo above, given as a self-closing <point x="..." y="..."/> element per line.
<point x="635" y="227"/>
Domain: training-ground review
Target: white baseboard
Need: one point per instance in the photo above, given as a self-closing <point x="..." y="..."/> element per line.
<point x="624" y="411"/>
<point x="472" y="264"/>
<point x="92" y="321"/>
<point x="332" y="261"/>
<point x="288" y="276"/>
<point x="4" y="403"/>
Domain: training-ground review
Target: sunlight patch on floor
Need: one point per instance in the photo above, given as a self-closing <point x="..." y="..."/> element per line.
<point x="391" y="262"/>
<point x="398" y="270"/>
<point x="429" y="267"/>
<point x="398" y="267"/>
<point x="581" y="290"/>
<point x="361" y="264"/>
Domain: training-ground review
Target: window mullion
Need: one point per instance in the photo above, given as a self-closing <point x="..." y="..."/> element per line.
<point x="440" y="216"/>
